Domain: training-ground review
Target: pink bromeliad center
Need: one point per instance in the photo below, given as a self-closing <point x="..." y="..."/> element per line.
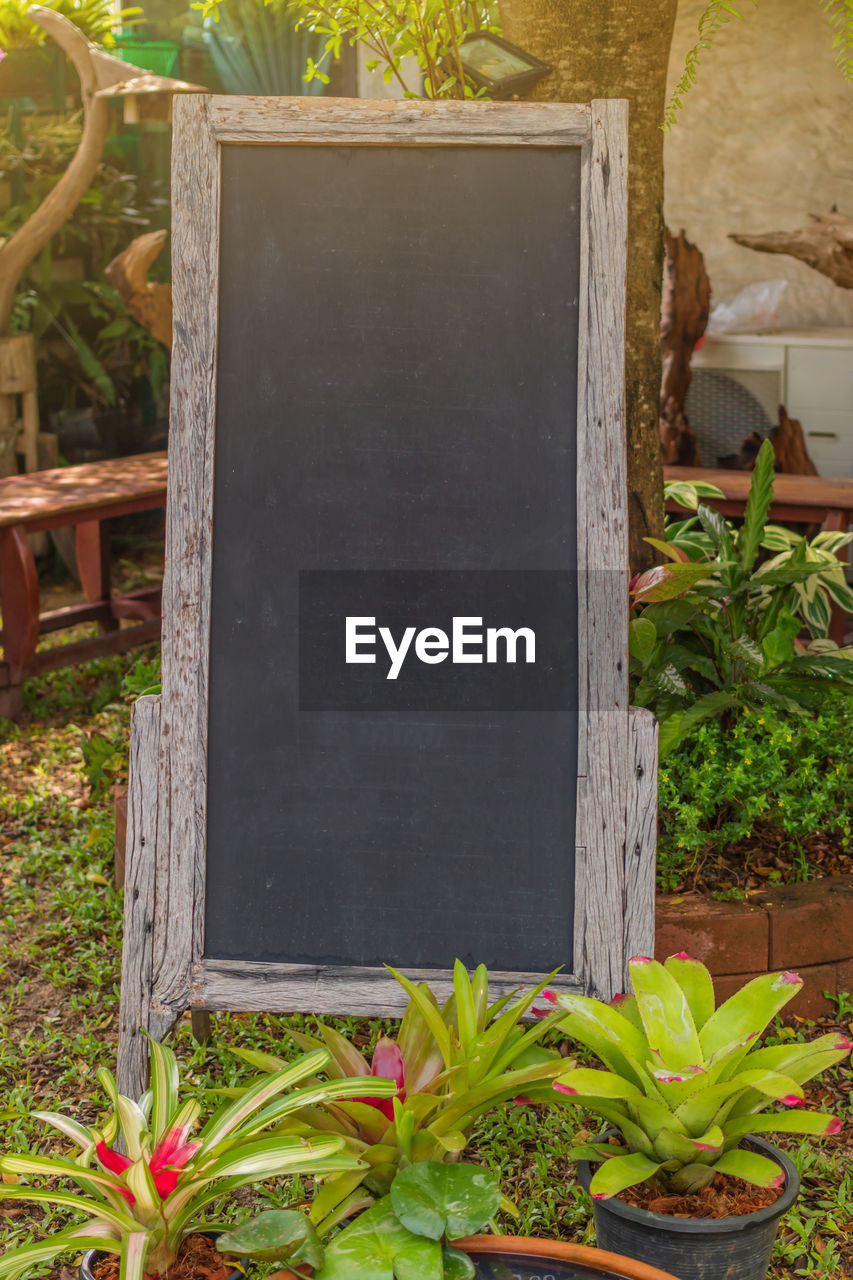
<point x="387" y="1062"/>
<point x="167" y="1162"/>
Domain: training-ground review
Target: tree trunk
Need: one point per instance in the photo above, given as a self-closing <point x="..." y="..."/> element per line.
<point x="619" y="49"/>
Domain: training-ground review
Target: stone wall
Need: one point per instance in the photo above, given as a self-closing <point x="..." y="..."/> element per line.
<point x="764" y="138"/>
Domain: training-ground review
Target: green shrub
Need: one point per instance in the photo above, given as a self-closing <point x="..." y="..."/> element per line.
<point x="791" y="773"/>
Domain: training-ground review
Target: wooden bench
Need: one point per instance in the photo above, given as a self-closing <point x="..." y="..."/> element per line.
<point x="821" y="500"/>
<point x="84" y="497"/>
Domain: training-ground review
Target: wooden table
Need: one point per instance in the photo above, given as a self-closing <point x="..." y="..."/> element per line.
<point x="819" y="500"/>
<point x="84" y="497"/>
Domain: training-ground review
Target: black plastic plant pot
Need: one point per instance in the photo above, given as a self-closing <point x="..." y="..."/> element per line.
<point x="94" y="1255"/>
<point x="696" y="1248"/>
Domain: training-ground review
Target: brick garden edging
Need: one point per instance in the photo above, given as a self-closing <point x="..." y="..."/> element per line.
<point x="806" y="927"/>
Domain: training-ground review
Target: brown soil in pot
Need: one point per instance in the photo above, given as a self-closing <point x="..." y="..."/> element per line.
<point x="724" y="1197"/>
<point x="197" y="1260"/>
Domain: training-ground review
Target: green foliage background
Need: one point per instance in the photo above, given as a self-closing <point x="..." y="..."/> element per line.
<point x="768" y="770"/>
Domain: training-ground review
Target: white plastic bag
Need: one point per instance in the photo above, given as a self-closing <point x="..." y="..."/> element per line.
<point x="758" y="306"/>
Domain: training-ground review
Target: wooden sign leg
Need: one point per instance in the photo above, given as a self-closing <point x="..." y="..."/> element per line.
<point x="202" y="1030"/>
<point x="641" y="836"/>
<point x="137" y="1011"/>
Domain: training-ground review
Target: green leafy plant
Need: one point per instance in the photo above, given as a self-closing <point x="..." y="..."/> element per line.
<point x="768" y="777"/>
<point x="717" y="13"/>
<point x="97" y="19"/>
<point x="449" y="1064"/>
<point x="717" y="628"/>
<point x="141" y="1203"/>
<point x="284" y="1236"/>
<point x="405" y="1235"/>
<point x="430" y="33"/>
<point x="684" y="1082"/>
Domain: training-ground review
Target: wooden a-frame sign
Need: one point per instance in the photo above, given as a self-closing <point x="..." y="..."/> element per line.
<point x="398" y="349"/>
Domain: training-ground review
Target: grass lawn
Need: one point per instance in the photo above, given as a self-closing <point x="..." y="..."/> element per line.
<point x="60" y="943"/>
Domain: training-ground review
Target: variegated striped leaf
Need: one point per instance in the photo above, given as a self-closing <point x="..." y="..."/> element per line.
<point x="119" y="1220"/>
<point x="228" y="1121"/>
<point x="325" y="1091"/>
<point x="134" y="1253"/>
<point x="282" y="1156"/>
<point x="76" y="1132"/>
<point x="140" y="1183"/>
<point x="15" y="1262"/>
<point x="55" y="1166"/>
<point x="134" y="1127"/>
<point x="164" y="1087"/>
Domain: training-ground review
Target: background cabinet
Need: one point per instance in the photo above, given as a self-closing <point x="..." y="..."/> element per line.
<point x="810" y="371"/>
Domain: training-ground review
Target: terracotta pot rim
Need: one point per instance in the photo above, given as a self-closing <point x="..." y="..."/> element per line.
<point x="708" y="1226"/>
<point x="563" y="1251"/>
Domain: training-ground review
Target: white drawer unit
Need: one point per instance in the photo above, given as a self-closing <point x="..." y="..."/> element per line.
<point x="810" y="371"/>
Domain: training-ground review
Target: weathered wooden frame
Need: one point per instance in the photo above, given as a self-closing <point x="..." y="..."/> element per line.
<point x="164" y="967"/>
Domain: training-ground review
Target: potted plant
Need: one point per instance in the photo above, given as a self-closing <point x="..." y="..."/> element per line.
<point x="145" y="1202"/>
<point x="684" y="1090"/>
<point x="450" y="1063"/>
<point x="412" y="1234"/>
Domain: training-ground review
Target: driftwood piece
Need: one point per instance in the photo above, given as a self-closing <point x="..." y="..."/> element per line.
<point x="685" y="307"/>
<point x="825" y="244"/>
<point x="678" y="444"/>
<point x="789" y="447"/>
<point x="101" y="76"/>
<point x="147" y="301"/>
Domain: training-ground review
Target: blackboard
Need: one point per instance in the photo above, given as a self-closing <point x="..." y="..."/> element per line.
<point x="397" y="409"/>
<point x="401" y="395"/>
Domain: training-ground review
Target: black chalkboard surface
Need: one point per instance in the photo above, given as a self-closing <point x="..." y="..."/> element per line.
<point x="397" y="390"/>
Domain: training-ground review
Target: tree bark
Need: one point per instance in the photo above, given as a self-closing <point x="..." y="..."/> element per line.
<point x="619" y="49"/>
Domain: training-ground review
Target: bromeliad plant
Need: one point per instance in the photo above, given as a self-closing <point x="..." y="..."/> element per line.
<point x="685" y="1083"/>
<point x="717" y="628"/>
<point x="449" y="1064"/>
<point x="142" y="1202"/>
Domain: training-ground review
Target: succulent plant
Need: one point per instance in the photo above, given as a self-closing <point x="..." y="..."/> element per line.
<point x="686" y="1083"/>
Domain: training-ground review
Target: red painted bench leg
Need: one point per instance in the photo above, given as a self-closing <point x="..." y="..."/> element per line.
<point x="93" y="565"/>
<point x="19" y="605"/>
